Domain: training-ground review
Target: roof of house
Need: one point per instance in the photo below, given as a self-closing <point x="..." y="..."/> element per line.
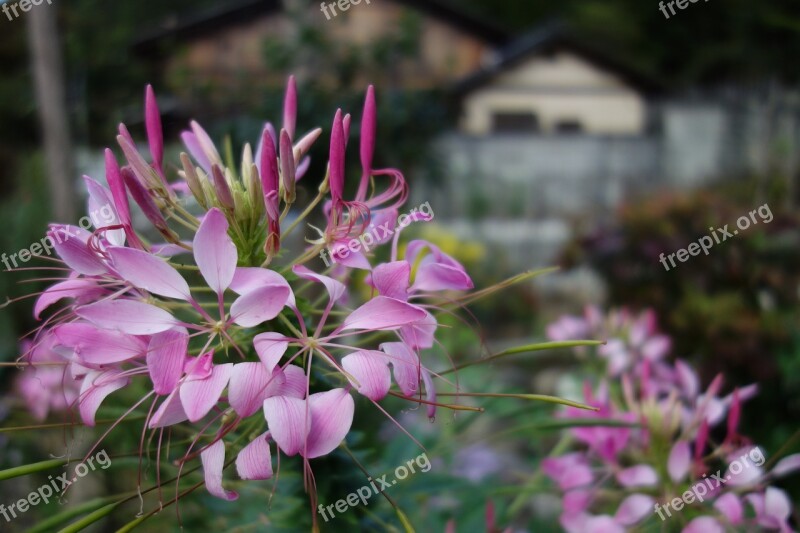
<point x="552" y="36"/>
<point x="235" y="11"/>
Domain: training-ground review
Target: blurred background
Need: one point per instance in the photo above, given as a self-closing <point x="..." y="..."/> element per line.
<point x="593" y="135"/>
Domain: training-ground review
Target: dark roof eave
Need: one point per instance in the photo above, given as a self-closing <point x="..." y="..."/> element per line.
<point x="243" y="10"/>
<point x="550" y="36"/>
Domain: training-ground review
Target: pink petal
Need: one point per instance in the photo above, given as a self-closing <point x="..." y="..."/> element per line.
<point x="165" y="358"/>
<point x="777" y="505"/>
<point x="576" y="501"/>
<point x="703" y="524"/>
<point x="382" y="313"/>
<point x="288" y="421"/>
<point x="205" y="143"/>
<point x="250" y="385"/>
<point x="336" y="289"/>
<point x="787" y="465"/>
<point x="213" y="459"/>
<point x="100" y="201"/>
<point x="215" y="252"/>
<point x="342" y="255"/>
<point x="302" y="168"/>
<point x="270" y="347"/>
<point x="420" y="334"/>
<point x="637" y="476"/>
<point x="687" y="378"/>
<point x="405" y="365"/>
<point x="193" y="145"/>
<point x="148" y="272"/>
<point x="331" y="418"/>
<point x="117" y="188"/>
<point x="602" y="524"/>
<point x="656" y="347"/>
<point x="128" y="316"/>
<point x="259" y="306"/>
<point x="170" y="412"/>
<point x="385" y="218"/>
<point x="97" y="346"/>
<point x="255" y="460"/>
<point x="70" y="243"/>
<point x="633" y="509"/>
<point x="80" y="289"/>
<point x="296" y="383"/>
<point x="370" y="369"/>
<point x="392" y="279"/>
<point x="731" y="508"/>
<point x="680" y="458"/>
<point x="247" y="279"/>
<point x="438" y="277"/>
<point x="568" y="471"/>
<point x="199" y="396"/>
<point x="199" y="367"/>
<point x="96" y="386"/>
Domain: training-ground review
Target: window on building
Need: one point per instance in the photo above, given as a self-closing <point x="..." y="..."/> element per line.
<point x="515" y="122"/>
<point x="568" y="127"/>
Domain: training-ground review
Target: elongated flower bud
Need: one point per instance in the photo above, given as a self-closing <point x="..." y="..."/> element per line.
<point x="190" y="175"/>
<point x="146" y="175"/>
<point x="120" y="198"/>
<point x="287" y="167"/>
<point x="205" y="143"/>
<point x="145" y="202"/>
<point x="222" y="188"/>
<point x="290" y="107"/>
<point x="368" y="132"/>
<point x="304" y="145"/>
<point x="155" y="135"/>
<point x="255" y="193"/>
<point x="346" y="127"/>
<point x="336" y="157"/>
<point x="271" y="190"/>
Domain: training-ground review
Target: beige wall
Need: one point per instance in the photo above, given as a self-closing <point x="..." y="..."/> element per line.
<point x="561" y="87"/>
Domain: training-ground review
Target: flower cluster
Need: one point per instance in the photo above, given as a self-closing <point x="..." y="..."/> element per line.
<point x="218" y="339"/>
<point x="661" y="439"/>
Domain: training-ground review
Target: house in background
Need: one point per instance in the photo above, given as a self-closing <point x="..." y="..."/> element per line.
<point x="547" y="82"/>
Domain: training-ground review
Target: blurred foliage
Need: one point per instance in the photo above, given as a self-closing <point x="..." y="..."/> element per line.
<point x="713" y="42"/>
<point x="24" y="216"/>
<point x="734" y="310"/>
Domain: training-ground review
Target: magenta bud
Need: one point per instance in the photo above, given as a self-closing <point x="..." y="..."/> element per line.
<point x="287" y="167"/>
<point x="336" y="157"/>
<point x="290" y="107"/>
<point x="222" y="189"/>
